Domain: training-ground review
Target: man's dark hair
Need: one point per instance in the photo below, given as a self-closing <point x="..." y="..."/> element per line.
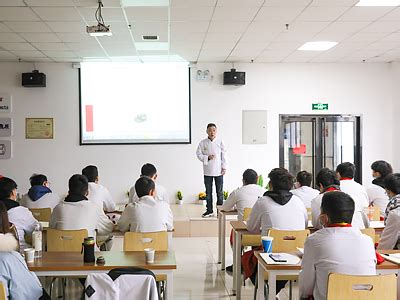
<point x="304" y="178"/>
<point x="78" y="185"/>
<point x="392" y="183"/>
<point x="250" y="176"/>
<point x="4" y="223"/>
<point x="7" y="185"/>
<point x="338" y="206"/>
<point x="327" y="178"/>
<point x="346" y="170"/>
<point x="148" y="170"/>
<point x="281" y="179"/>
<point x="37" y="179"/>
<point x="211" y="125"/>
<point x="144" y="185"/>
<point x="383" y="167"/>
<point x="91" y="173"/>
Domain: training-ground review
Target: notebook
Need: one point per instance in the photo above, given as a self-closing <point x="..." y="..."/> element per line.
<point x="290" y="259"/>
<point x="394" y="258"/>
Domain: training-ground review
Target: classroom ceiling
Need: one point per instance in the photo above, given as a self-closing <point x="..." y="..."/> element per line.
<point x="198" y="31"/>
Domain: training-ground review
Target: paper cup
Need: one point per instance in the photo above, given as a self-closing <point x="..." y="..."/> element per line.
<point x="29" y="255"/>
<point x="267" y="243"/>
<point x="149" y="253"/>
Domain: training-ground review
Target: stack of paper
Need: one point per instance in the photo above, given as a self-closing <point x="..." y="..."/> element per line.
<point x="394" y="258"/>
<point x="290" y="259"/>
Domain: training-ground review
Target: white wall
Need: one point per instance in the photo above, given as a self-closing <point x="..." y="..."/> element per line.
<point x="396" y="122"/>
<point x="279" y="88"/>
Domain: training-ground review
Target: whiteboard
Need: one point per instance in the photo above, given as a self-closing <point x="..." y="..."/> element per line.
<point x="254" y="127"/>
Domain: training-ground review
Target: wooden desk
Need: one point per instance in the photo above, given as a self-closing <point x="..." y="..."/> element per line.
<point x="274" y="270"/>
<point x="64" y="264"/>
<point x="222" y="233"/>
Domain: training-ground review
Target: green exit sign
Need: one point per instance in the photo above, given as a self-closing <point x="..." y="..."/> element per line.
<point x="320" y="106"/>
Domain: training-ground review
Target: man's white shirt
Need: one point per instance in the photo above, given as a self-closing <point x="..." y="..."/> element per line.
<point x="306" y="194"/>
<point x="101" y="196"/>
<point x="24" y="222"/>
<point x="217" y="148"/>
<point x="378" y="198"/>
<point x="49" y="200"/>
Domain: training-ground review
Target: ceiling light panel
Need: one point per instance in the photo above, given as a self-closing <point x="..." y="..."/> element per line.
<point x="378" y="3"/>
<point x="317" y="46"/>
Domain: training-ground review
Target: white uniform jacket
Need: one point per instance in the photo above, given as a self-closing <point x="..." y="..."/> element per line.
<point x="306" y="194"/>
<point x="342" y="250"/>
<point x="267" y="214"/>
<point x="357" y="192"/>
<point x="217" y="148"/>
<point x="243" y="197"/>
<point x="81" y="215"/>
<point x="101" y="196"/>
<point x="25" y="223"/>
<point x="378" y="198"/>
<point x="145" y="215"/>
<point x="48" y="200"/>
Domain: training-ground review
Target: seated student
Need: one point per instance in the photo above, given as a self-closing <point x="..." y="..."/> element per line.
<point x="76" y="212"/>
<point x="390" y="235"/>
<point x="277" y="209"/>
<point x="337" y="248"/>
<point x="20" y="216"/>
<point x="98" y="193"/>
<point x="245" y="196"/>
<point x="327" y="181"/>
<point x="39" y="195"/>
<point x="145" y="214"/>
<point x="19" y="282"/>
<point x="376" y="192"/>
<point x="304" y="190"/>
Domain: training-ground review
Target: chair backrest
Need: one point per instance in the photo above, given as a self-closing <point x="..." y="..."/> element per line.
<point x="246" y="213"/>
<point x="41" y="214"/>
<point x="376" y="214"/>
<point x="354" y="287"/>
<point x="3" y="294"/>
<point x="138" y="241"/>
<point x="65" y="240"/>
<point x="288" y="240"/>
<point x="14" y="232"/>
<point x="309" y="214"/>
<point x="370" y="232"/>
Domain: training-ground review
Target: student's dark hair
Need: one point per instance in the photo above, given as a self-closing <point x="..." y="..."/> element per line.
<point x="91" y="173"/>
<point x="78" y="185"/>
<point x="281" y="179"/>
<point x="304" y="178"/>
<point x="327" y="178"/>
<point x="211" y="125"/>
<point x="4" y="223"/>
<point x="392" y="183"/>
<point x="37" y="179"/>
<point x="7" y="185"/>
<point x="346" y="170"/>
<point x="148" y="170"/>
<point x="144" y="185"/>
<point x="250" y="176"/>
<point x="383" y="167"/>
<point x="338" y="206"/>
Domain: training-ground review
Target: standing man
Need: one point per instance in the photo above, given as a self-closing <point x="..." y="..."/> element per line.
<point x="212" y="153"/>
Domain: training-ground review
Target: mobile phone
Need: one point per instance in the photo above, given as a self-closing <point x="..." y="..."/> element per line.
<point x="277" y="258"/>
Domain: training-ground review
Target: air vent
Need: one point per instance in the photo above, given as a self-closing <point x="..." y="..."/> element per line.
<point x="150" y="37"/>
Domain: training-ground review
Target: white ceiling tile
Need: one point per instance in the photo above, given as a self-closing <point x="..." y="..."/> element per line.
<point x="394" y="15"/>
<point x="301" y="56"/>
<point x="384" y="26"/>
<point x="121" y="52"/>
<point x="83" y="46"/>
<point x="17" y="46"/>
<point x="90" y="53"/>
<point x="51" y="46"/>
<point x="59" y="53"/>
<point x="240" y="3"/>
<point x="383" y="45"/>
<point x="317" y="13"/>
<point x="366" y="37"/>
<point x="346" y="26"/>
<point x="193" y="3"/>
<point x="284" y="14"/>
<point x="348" y="3"/>
<point x="117" y="37"/>
<point x="50" y="2"/>
<point x="235" y="13"/>
<point x="228" y="26"/>
<point x="188" y="14"/>
<point x="28" y="26"/>
<point x="366" y="53"/>
<point x="150" y="28"/>
<point x="222" y="37"/>
<point x="211" y="58"/>
<point x="331" y="36"/>
<point x="94" y="3"/>
<point x="259" y="37"/>
<point x="12" y="3"/>
<point x="6" y="54"/>
<point x="283" y="46"/>
<point x="41" y="37"/>
<point x="246" y="46"/>
<point x="9" y="37"/>
<point x="151" y="46"/>
<point x="17" y="14"/>
<point x="29" y="54"/>
<point x="219" y="46"/>
<point x="240" y="58"/>
<point x="67" y="59"/>
<point x="79" y="27"/>
<point x="109" y="14"/>
<point x="307" y="26"/>
<point x="57" y="13"/>
<point x="36" y="59"/>
<point x="248" y="53"/>
<point x="146" y="14"/>
<point x="4" y="28"/>
<point x="287" y="3"/>
<point x="152" y="53"/>
<point x="75" y="37"/>
<point x="124" y="59"/>
<point x="393" y="37"/>
<point x="185" y="27"/>
<point x="188" y="37"/>
<point x="365" y="13"/>
<point x="121" y="27"/>
<point x="294" y="37"/>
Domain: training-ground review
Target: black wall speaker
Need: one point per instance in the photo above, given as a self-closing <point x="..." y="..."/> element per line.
<point x="34" y="79"/>
<point x="234" y="78"/>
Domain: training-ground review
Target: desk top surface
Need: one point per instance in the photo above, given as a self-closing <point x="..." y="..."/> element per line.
<point x="73" y="261"/>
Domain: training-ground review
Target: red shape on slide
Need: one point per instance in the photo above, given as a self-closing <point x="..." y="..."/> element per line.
<point x="300" y="150"/>
<point x="89" y="118"/>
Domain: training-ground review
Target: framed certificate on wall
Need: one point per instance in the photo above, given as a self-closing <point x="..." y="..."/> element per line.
<point x="39" y="128"/>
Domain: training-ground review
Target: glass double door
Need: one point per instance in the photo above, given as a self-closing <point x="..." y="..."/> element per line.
<point x="313" y="142"/>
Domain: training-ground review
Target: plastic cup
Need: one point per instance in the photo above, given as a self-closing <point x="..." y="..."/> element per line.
<point x="29" y="255"/>
<point x="149" y="253"/>
<point x="267" y="243"/>
<point x="369" y="211"/>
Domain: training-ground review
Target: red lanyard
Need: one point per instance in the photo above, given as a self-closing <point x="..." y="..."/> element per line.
<point x="346" y="178"/>
<point x="344" y="224"/>
<point x="331" y="189"/>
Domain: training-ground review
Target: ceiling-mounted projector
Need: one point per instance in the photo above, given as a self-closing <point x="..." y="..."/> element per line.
<point x="99" y="30"/>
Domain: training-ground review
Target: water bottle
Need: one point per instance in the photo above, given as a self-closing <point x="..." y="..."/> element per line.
<point x="88" y="250"/>
<point x="37" y="240"/>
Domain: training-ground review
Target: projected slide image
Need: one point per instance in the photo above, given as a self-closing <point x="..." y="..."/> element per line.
<point x="135" y="103"/>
